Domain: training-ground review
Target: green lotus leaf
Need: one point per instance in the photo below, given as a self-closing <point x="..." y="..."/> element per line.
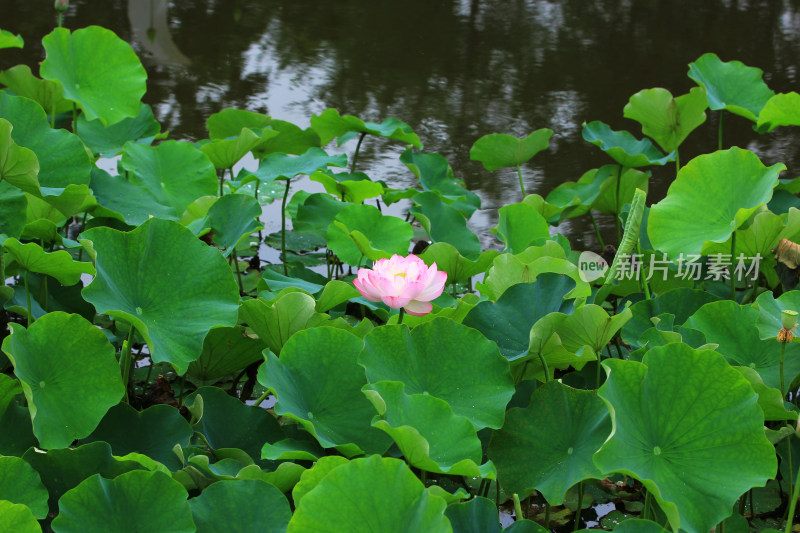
<point x="316" y="213"/>
<point x="58" y="264"/>
<point x="291" y="449"/>
<point x="623" y="147"/>
<point x="731" y="85"/>
<point x="498" y="150"/>
<point x="339" y="500"/>
<point x="436" y="175"/>
<point x="46" y="93"/>
<point x="330" y="124"/>
<point x="228" y="423"/>
<point x="733" y="328"/>
<point x="153" y="432"/>
<point x="60" y="204"/>
<point x="291" y="139"/>
<point x="632" y="179"/>
<point x="171" y="286"/>
<point x="467" y="371"/>
<point x="9" y="40"/>
<point x="16" y="517"/>
<point x="282" y="166"/>
<point x="284" y="477"/>
<point x="135" y="501"/>
<point x="233" y="218"/>
<point x="9" y="388"/>
<point x="353" y="188"/>
<point x="770" y="400"/>
<point x="444" y="223"/>
<point x="430" y="436"/>
<point x="590" y="327"/>
<point x="679" y="412"/>
<point x="225" y="351"/>
<point x="246" y="505"/>
<point x="509" y="320"/>
<point x="681" y="303"/>
<point x="18" y="165"/>
<point x="520" y="226"/>
<point x="17" y="435"/>
<point x="61" y="155"/>
<point x="361" y="230"/>
<point x="13" y="205"/>
<point x="229" y="123"/>
<point x="20" y="483"/>
<point x="737" y="181"/>
<point x="108" y="141"/>
<point x="508" y="270"/>
<point x="224" y="153"/>
<point x="576" y="198"/>
<point x="770" y="309"/>
<point x="544" y="343"/>
<point x="318" y="382"/>
<point x="780" y="110"/>
<point x="315" y="474"/>
<point x="276" y="283"/>
<point x="97" y="70"/>
<point x="275" y="324"/>
<point x="458" y="267"/>
<point x="69" y="389"/>
<point x="554" y="438"/>
<point x="479" y="515"/>
<point x="665" y="119"/>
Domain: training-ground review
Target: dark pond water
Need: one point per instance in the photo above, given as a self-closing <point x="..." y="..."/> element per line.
<point x="453" y="70"/>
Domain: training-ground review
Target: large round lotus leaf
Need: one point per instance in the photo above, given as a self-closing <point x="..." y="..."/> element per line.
<point x="444" y="223"/>
<point x="479" y="515"/>
<point x="508" y="270"/>
<point x="61" y="155"/>
<point x="241" y="506"/>
<point x="689" y="427"/>
<point x="153" y="432"/>
<point x="18" y="165"/>
<point x="429" y="435"/>
<point x="665" y="119"/>
<point x="229" y="123"/>
<point x="229" y="423"/>
<point x="225" y="351"/>
<point x="17" y="518"/>
<point x="132" y="502"/>
<point x="737" y="182"/>
<point x="318" y="383"/>
<point x="97" y="69"/>
<point x="509" y="320"/>
<point x="549" y="445"/>
<point x="171" y="286"/>
<point x="20" y="483"/>
<point x="623" y="147"/>
<point x="681" y="302"/>
<point x="108" y="141"/>
<point x="770" y="310"/>
<point x="446" y="360"/>
<point x="780" y="110"/>
<point x="733" y="327"/>
<point x="225" y="153"/>
<point x="316" y="213"/>
<point x="435" y="174"/>
<point x="353" y="498"/>
<point x="58" y="264"/>
<point x="384" y="234"/>
<point x="498" y="150"/>
<point x="68" y="389"/>
<point x="731" y="85"/>
<point x="330" y="124"/>
<point x="62" y="470"/>
<point x="315" y="474"/>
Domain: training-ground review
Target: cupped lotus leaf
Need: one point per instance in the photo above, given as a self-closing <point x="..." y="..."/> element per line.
<point x="291" y="139"/>
<point x="362" y="230"/>
<point x="316" y="213"/>
<point x="16" y="517"/>
<point x="731" y="85"/>
<point x="62" y="470"/>
<point x="733" y="328"/>
<point x="315" y="474"/>
<point x="458" y="267"/>
<point x="353" y="188"/>
<point x="479" y="515"/>
<point x="58" y="264"/>
<point x="334" y="293"/>
<point x="62" y="157"/>
<point x="446" y="360"/>
<point x="348" y="497"/>
<point x="681" y="302"/>
<point x="770" y="400"/>
<point x="330" y="124"/>
<point x="436" y="175"/>
<point x="245" y="505"/>
<point x="548" y="446"/>
<point x="20" y="483"/>
<point x="275" y="324"/>
<point x="98" y="70"/>
<point x="521" y="226"/>
<point x="545" y="345"/>
<point x="498" y="150"/>
<point x="666" y="119"/>
<point x="679" y="413"/>
<point x="508" y="270"/>
<point x="131" y="502"/>
<point x="282" y="166"/>
<point x="318" y="382"/>
<point x="228" y="423"/>
<point x="225" y="351"/>
<point x="623" y="147"/>
<point x="13" y="206"/>
<point x="576" y="198"/>
<point x="632" y="179"/>
<point x="291" y="449"/>
<point x="171" y="286"/>
<point x="780" y="110"/>
<point x="69" y="389"/>
<point x="430" y="436"/>
<point x="737" y="181"/>
<point x="153" y="432"/>
<point x="444" y="223"/>
<point x="9" y="40"/>
<point x="46" y="93"/>
<point x="590" y="327"/>
<point x="108" y="141"/>
<point x="509" y="320"/>
<point x="18" y="165"/>
<point x="224" y="153"/>
<point x="770" y="310"/>
<point x="229" y="123"/>
<point x="233" y="218"/>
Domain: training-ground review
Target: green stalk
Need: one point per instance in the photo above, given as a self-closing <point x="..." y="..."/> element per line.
<point x="401" y="315"/>
<point x="597" y="381"/>
<point x="517" y="506"/>
<point x="578" y="510"/>
<point x="789" y="460"/>
<point x="283" y="228"/>
<point x="521" y="184"/>
<point x="783" y="389"/>
<point x="262" y="398"/>
<point x="547" y="514"/>
<point x="618" y="208"/>
<point x="125" y="362"/>
<point x="75" y="119"/>
<point x="648" y="503"/>
<point x="719" y="133"/>
<point x="238" y="272"/>
<point x="596" y="229"/>
<point x="424" y="477"/>
<point x="792" y="505"/>
<point x="28" y="296"/>
<point x="358" y="148"/>
<point x="733" y="254"/>
<point x="677" y="162"/>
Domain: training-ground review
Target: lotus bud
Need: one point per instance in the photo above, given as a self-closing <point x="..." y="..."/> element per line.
<point x="61" y="5"/>
<point x="405" y="282"/>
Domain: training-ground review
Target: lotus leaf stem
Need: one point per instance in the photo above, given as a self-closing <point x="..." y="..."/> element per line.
<point x="283" y="228"/>
<point x="125" y="361"/>
<point x="517" y="506"/>
<point x="238" y="272"/>
<point x="547" y="514"/>
<point x="544" y="367"/>
<point x="648" y="503"/>
<point x="75" y="119"/>
<point x="792" y="505"/>
<point x="28" y="297"/>
<point x="618" y="207"/>
<point x="261" y="398"/>
<point x="677" y="162"/>
<point x="355" y="155"/>
<point x="719" y="132"/>
<point x="596" y="230"/>
<point x="578" y="510"/>
<point x="521" y="184"/>
<point x="401" y="315"/>
<point x="783" y="385"/>
<point x="789" y="461"/>
<point x="733" y="254"/>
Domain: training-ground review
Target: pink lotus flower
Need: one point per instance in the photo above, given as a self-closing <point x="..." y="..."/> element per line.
<point x="405" y="282"/>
